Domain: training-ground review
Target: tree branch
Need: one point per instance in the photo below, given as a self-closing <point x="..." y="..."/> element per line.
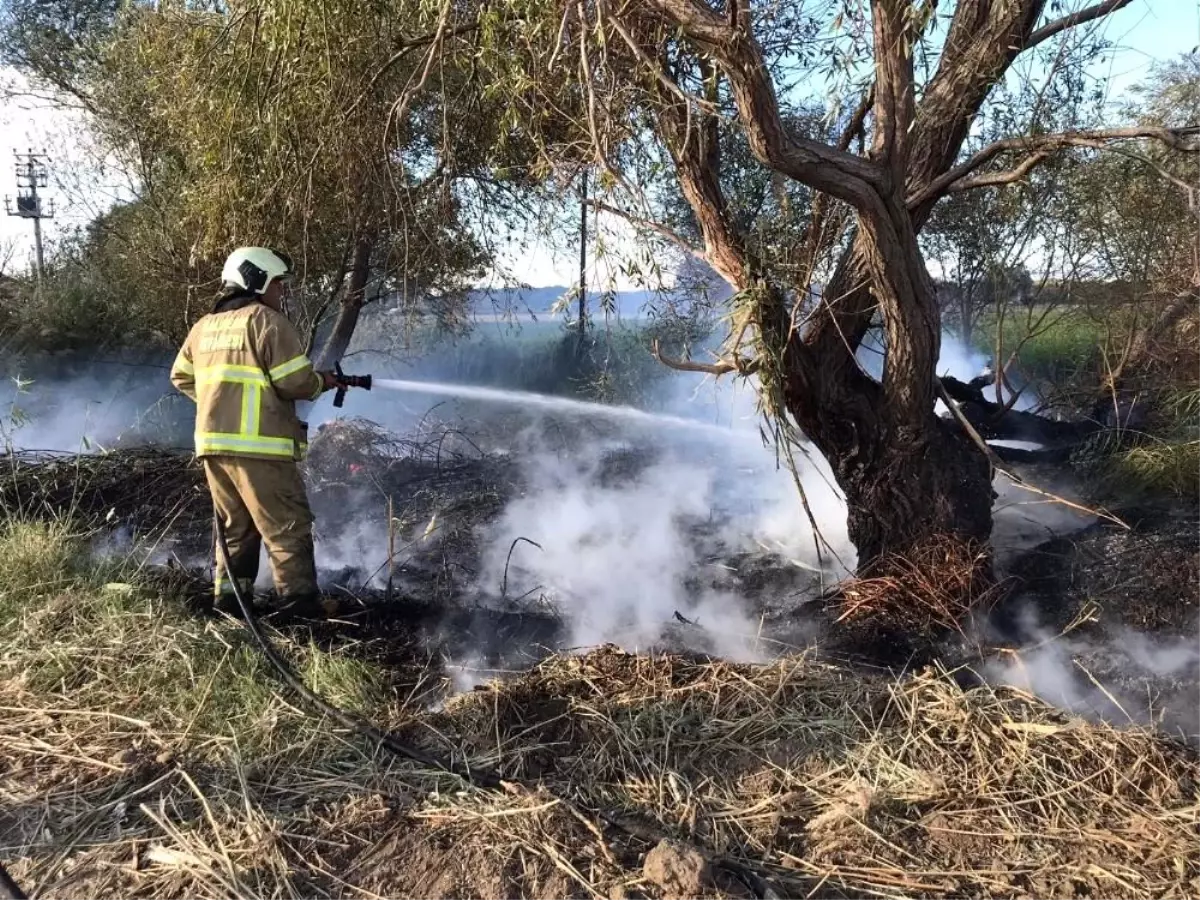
<point x="1091" y="13"/>
<point x="820" y="166"/>
<point x="407" y="47"/>
<point x="641" y="222"/>
<point x="1008" y="176"/>
<point x="692" y="149"/>
<point x="717" y="369"/>
<point x="858" y="120"/>
<point x="1043" y="146"/>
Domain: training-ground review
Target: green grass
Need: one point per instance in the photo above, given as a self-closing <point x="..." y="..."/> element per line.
<point x="36" y="559"/>
<point x="1161" y="468"/>
<point x="1165" y="462"/>
<point x="99" y="636"/>
<point x="1059" y="347"/>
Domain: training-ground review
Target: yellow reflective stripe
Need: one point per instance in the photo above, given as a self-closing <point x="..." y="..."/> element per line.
<point x="320" y="387"/>
<point x="251" y="405"/>
<point x="214" y="442"/>
<point x="291" y="367"/>
<point x="231" y="375"/>
<point x="184" y="365"/>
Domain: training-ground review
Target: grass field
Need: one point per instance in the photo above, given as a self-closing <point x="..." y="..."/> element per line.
<point x="1054" y="348"/>
<point x="151" y="753"/>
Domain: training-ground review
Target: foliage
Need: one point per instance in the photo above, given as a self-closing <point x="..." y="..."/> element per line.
<point x="1160" y="461"/>
<point x="1061" y="348"/>
<point x="57" y="41"/>
<point x="276" y="123"/>
<point x="98" y="294"/>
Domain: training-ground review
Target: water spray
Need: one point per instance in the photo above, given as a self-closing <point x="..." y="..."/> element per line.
<point x="548" y="402"/>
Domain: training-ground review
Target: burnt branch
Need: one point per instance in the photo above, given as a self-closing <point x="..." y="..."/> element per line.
<point x="996" y="421"/>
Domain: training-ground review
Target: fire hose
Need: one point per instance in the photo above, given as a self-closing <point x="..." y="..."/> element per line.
<point x="481" y="777"/>
<point x="484" y="778"/>
<point x="288" y="675"/>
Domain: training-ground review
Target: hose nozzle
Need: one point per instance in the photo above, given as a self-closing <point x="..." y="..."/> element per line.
<point x="347" y="381"/>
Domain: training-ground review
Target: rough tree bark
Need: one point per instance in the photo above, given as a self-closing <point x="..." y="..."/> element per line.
<point x="909" y="477"/>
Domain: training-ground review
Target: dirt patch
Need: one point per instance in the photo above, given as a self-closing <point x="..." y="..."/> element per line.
<point x="679" y="870"/>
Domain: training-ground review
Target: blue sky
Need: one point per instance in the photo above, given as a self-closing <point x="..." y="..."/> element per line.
<point x="1145" y="32"/>
<point x="1150" y="31"/>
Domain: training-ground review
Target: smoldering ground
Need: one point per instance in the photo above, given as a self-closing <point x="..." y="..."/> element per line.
<point x="640" y="534"/>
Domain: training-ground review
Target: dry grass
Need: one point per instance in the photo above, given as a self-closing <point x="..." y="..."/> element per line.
<point x="936" y="586"/>
<point x="149" y="754"/>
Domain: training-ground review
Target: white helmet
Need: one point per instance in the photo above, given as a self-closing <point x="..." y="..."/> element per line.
<point x="254" y="268"/>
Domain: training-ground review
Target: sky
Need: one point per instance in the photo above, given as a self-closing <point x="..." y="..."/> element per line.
<point x="1145" y="32"/>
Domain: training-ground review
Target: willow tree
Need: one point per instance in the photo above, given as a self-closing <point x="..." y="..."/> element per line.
<point x="274" y="122"/>
<point x="644" y="87"/>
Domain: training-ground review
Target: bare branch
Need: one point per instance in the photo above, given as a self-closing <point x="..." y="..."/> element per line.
<point x="857" y="121"/>
<point x="719" y="368"/>
<point x="1091" y="13"/>
<point x="641" y="222"/>
<point x="848" y="177"/>
<point x="1009" y="176"/>
<point x="1043" y="146"/>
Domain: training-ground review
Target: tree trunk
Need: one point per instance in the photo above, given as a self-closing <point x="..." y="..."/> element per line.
<point x="352" y="303"/>
<point x="909" y="485"/>
<point x="908" y="494"/>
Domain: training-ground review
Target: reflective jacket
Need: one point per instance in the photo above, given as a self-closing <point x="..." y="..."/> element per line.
<point x="245" y="369"/>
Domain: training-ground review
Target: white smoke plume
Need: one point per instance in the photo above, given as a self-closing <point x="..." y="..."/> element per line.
<point x="93" y="407"/>
<point x="1126" y="678"/>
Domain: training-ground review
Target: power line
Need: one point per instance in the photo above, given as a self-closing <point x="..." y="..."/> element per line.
<point x="32" y="173"/>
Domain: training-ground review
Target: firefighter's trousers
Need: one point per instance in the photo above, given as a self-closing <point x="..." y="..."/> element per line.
<point x="262" y="501"/>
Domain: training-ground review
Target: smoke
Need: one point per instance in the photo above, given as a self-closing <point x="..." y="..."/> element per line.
<point x="91" y="407"/>
<point x="1126" y="678"/>
<point x="614" y="558"/>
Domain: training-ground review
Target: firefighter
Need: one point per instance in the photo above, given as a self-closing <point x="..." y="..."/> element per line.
<point x="244" y="365"/>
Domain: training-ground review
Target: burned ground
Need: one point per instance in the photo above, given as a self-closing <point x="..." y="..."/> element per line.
<point x="431" y="611"/>
<point x="818" y="773"/>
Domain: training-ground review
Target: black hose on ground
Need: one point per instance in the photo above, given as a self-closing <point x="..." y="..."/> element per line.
<point x="481" y="777"/>
<point x="9" y="889"/>
<point x="485" y="778"/>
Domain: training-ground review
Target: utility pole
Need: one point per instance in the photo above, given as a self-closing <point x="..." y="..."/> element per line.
<point x="32" y="174"/>
<point x="583" y="201"/>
